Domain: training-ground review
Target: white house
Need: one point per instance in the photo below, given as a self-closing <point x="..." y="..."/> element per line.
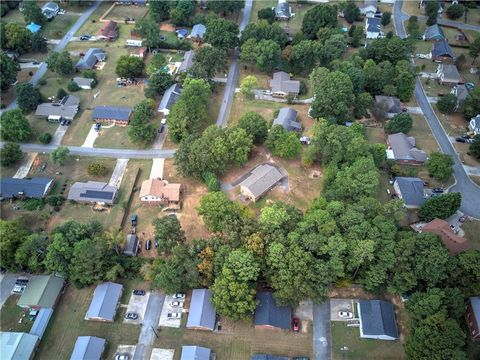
<point x="474" y="124"/>
<point x="50" y="10"/>
<point x="368" y="8"/>
<point x="372" y="28"/>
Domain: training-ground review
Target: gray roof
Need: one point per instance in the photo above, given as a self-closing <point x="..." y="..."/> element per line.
<point x="287" y="119"/>
<point x="67" y="108"/>
<point x="201" y="313"/>
<point x="93" y="191"/>
<point x="88" y="348"/>
<point x="378" y="318"/>
<point x="476" y="121"/>
<point x="403" y="148"/>
<point x="104" y="301"/>
<point x="262" y="179"/>
<point x="282" y="10"/>
<point x="374" y="24"/>
<point x="41" y="291"/>
<point x="475" y="302"/>
<point x="268" y="313"/>
<point x="51" y="6"/>
<point x="17" y="346"/>
<point x="131" y="245"/>
<point x="460" y="91"/>
<point x="434" y="32"/>
<point x="81" y="81"/>
<point x="170" y="97"/>
<point x="31" y="188"/>
<point x="411" y="189"/>
<point x="198" y="30"/>
<point x="392" y="104"/>
<point x="187" y="61"/>
<point x="267" y="357"/>
<point x="281" y="83"/>
<point x="90" y="59"/>
<point x="195" y="353"/>
<point x="111" y="112"/>
<point x="450" y="72"/>
<point x="41" y="322"/>
<point x="441" y="48"/>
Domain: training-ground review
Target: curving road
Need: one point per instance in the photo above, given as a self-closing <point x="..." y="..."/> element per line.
<point x="464" y="185"/>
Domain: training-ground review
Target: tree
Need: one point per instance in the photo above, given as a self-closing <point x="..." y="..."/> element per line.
<point x="441" y="206"/>
<point x="262" y="30"/>
<point x="157" y="84"/>
<point x="90" y="261"/>
<point x="12" y="235"/>
<point x="61" y="93"/>
<point x="431" y="10"/>
<point x="320" y="16"/>
<point x="455" y="11"/>
<point x="303" y="56"/>
<point x="255" y="125"/>
<point x="181" y="13"/>
<point x="447" y="104"/>
<point x="157" y="62"/>
<point x="10" y="154"/>
<point x="15" y="126"/>
<point x="225" y="6"/>
<point x="140" y="129"/>
<point x="282" y="143"/>
<point x="356" y="36"/>
<point x="59" y="155"/>
<point x="221" y="33"/>
<point x="267" y="14"/>
<point x="32" y="13"/>
<point x="159" y="10"/>
<point x="208" y="61"/>
<point x="32" y="251"/>
<point x="212" y="182"/>
<point x="149" y="31"/>
<point x="114" y="238"/>
<point x="129" y="66"/>
<point x="279" y="218"/>
<point x="475" y="147"/>
<point x="39" y="42"/>
<point x="400" y="123"/>
<point x="351" y="12"/>
<point x="168" y="233"/>
<point x="475" y="48"/>
<point x="96" y="168"/>
<point x="247" y="85"/>
<point x="267" y="54"/>
<point x="28" y="97"/>
<point x="363" y="102"/>
<point x="413" y="28"/>
<point x="216" y="210"/>
<point x="386" y="17"/>
<point x="8" y="71"/>
<point x="405" y="80"/>
<point x="17" y="37"/>
<point x="471" y="105"/>
<point x="60" y="62"/>
<point x="439" y="165"/>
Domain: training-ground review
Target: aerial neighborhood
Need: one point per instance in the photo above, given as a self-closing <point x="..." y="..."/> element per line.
<point x="240" y="180"/>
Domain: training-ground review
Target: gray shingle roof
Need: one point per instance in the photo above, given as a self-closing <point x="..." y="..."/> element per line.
<point x="187" y="61"/>
<point x="392" y="104"/>
<point x="170" y="97"/>
<point x="281" y="83"/>
<point x="195" y="353"/>
<point x="434" y="32"/>
<point x="287" y="119"/>
<point x="67" y="108"/>
<point x="93" y="191"/>
<point x="81" y="81"/>
<point x="450" y="73"/>
<point x="268" y="313"/>
<point x="378" y="318"/>
<point x="198" y="30"/>
<point x="262" y="179"/>
<point x="374" y="24"/>
<point x="111" y="113"/>
<point x="104" y="301"/>
<point x="460" y="91"/>
<point x="131" y="245"/>
<point x="31" y="188"/>
<point x="201" y="313"/>
<point x="282" y="10"/>
<point x="91" y="57"/>
<point x="441" y="48"/>
<point x="403" y="147"/>
<point x="411" y="190"/>
<point x="88" y="348"/>
<point x="41" y="322"/>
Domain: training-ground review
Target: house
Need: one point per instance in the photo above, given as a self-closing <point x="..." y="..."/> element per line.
<point x="442" y="52"/>
<point x="474" y="124"/>
<point x="83" y="83"/>
<point x="452" y="242"/>
<point x="88" y="348"/>
<point x="187" y="61"/>
<point x="67" y="108"/>
<point x="131" y="245"/>
<point x="33" y="28"/>
<point x="195" y="353"/>
<point x="17" y="345"/>
<point x="447" y="74"/>
<point x="268" y="357"/>
<point x="261" y="179"/>
<point x="283" y="11"/>
<point x="108" y="32"/>
<point x="105" y="301"/>
<point x="41" y="322"/>
<point x="281" y="85"/>
<point x="182" y="33"/>
<point x="169" y="98"/>
<point x="473" y="316"/>
<point x="270" y="316"/>
<point x="202" y="314"/>
<point x="90" y="59"/>
<point x="42" y="291"/>
<point x="461" y="92"/>
<point x="390" y="104"/>
<point x="50" y="10"/>
<point x="373" y="27"/>
<point x="112" y="114"/>
<point x="368" y="8"/>
<point x="34" y="188"/>
<point x="286" y="118"/>
<point x="159" y="192"/>
<point x="377" y="320"/>
<point x="198" y="31"/>
<point x="410" y="190"/>
<point x="140" y="53"/>
<point x="401" y="148"/>
<point x="434" y="33"/>
<point x="93" y="192"/>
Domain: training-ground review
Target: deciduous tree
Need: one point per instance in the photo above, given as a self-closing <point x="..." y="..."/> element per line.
<point x="60" y="62"/>
<point x="10" y="154"/>
<point x="222" y="33"/>
<point x="441" y="206"/>
<point x="17" y="37"/>
<point x="28" y="96"/>
<point x="351" y="12"/>
<point x="215" y="210"/>
<point x="320" y="16"/>
<point x="168" y="233"/>
<point x="400" y="123"/>
<point x="447" y="104"/>
<point x="439" y="165"/>
<point x="282" y="143"/>
<point x="32" y="13"/>
<point x="225" y="6"/>
<point x="248" y="84"/>
<point x="15" y="126"/>
<point x="60" y="155"/>
<point x="255" y="125"/>
<point x="12" y="235"/>
<point x="8" y="71"/>
<point x="129" y="66"/>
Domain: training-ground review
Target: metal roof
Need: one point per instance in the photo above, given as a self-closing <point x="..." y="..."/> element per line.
<point x="131" y="245"/>
<point x="195" y="353"/>
<point x="88" y="348"/>
<point x="475" y="302"/>
<point x="93" y="191"/>
<point x="41" y="322"/>
<point x="286" y="118"/>
<point x="104" y="301"/>
<point x="82" y="81"/>
<point x="90" y="58"/>
<point x="268" y="313"/>
<point x="434" y="32"/>
<point x="403" y="147"/>
<point x="17" y="346"/>
<point x="411" y="190"/>
<point x="187" y="61"/>
<point x="31" y="188"/>
<point x="42" y="291"/>
<point x="111" y="112"/>
<point x="198" y="30"/>
<point x="377" y="317"/>
<point x="170" y="97"/>
<point x="201" y="313"/>
<point x="262" y="179"/>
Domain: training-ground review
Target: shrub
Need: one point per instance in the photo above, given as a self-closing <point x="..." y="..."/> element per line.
<point x="441" y="206"/>
<point x="33" y="204"/>
<point x="455" y="11"/>
<point x="45" y="138"/>
<point x="73" y="86"/>
<point x="61" y="93"/>
<point x="42" y="81"/>
<point x="97" y="169"/>
<point x="303" y="88"/>
<point x="447" y="104"/>
<point x="212" y="182"/>
<point x="400" y="123"/>
<point x="55" y="200"/>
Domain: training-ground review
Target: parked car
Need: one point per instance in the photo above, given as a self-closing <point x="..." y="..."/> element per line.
<point x="176" y="303"/>
<point x="18" y="289"/>
<point x="148" y="244"/>
<point x="131" y="316"/>
<point x="21" y="281"/>
<point x="162" y="127"/>
<point x="179" y="296"/>
<point x="174" y="315"/>
<point x="97" y="127"/>
<point x="296" y="324"/>
<point x="139" y="292"/>
<point x="163" y="121"/>
<point x="85" y="37"/>
<point x="437" y="190"/>
<point x="133" y="219"/>
<point x="35" y="63"/>
<point x="469" y="86"/>
<point x="63" y="122"/>
<point x="463" y="218"/>
<point x="68" y="122"/>
<point x="121" y="357"/>
<point x="460" y="140"/>
<point x="156" y="243"/>
<point x="345" y="314"/>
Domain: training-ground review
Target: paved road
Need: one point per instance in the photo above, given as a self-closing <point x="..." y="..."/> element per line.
<point x="42" y="69"/>
<point x="7" y="282"/>
<point x="233" y="72"/>
<point x="149" y="326"/>
<point x="447" y="22"/>
<point x="322" y="341"/>
<point x="470" y="192"/>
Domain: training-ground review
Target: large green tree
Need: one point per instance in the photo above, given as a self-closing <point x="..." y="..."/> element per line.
<point x="32" y="13"/>
<point x="90" y="261"/>
<point x="208" y="61"/>
<point x="283" y="143"/>
<point x="8" y="71"/>
<point x="320" y="16"/>
<point x="267" y="55"/>
<point x="221" y="33"/>
<point x="255" y="125"/>
<point x="168" y="233"/>
<point x="439" y="165"/>
<point x="17" y="37"/>
<point x="400" y="123"/>
<point x="157" y="84"/>
<point x="159" y="10"/>
<point x="129" y="66"/>
<point x="351" y="12"/>
<point x="475" y="147"/>
<point x="216" y="210"/>
<point x="140" y="129"/>
<point x="182" y="12"/>
<point x="31" y="253"/>
<point x="10" y="154"/>
<point x="471" y="105"/>
<point x="60" y="62"/>
<point x="225" y="7"/>
<point x="12" y="235"/>
<point x="441" y="206"/>
<point x="28" y="96"/>
<point x="15" y="126"/>
<point x="59" y="155"/>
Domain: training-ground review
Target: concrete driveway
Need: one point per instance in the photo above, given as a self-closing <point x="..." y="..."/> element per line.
<point x="164" y="321"/>
<point x="91" y="137"/>
<point x="59" y="134"/>
<point x="117" y="175"/>
<point x="157" y="169"/>
<point x="137" y="305"/>
<point x="322" y="339"/>
<point x="162" y="354"/>
<point x="25" y="166"/>
<point x="149" y="331"/>
<point x="337" y="305"/>
<point x="128" y="350"/>
<point x="7" y="282"/>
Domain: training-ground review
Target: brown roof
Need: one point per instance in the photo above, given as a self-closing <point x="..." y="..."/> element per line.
<point x="109" y="30"/>
<point x="161" y="189"/>
<point x="453" y="242"/>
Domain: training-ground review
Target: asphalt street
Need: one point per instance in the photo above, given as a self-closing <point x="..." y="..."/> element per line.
<point x="7" y="282"/>
<point x="322" y="342"/>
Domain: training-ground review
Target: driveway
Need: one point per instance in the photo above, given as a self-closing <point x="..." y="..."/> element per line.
<point x="24" y="168"/>
<point x="157" y="169"/>
<point x="162" y="354"/>
<point x="59" y="134"/>
<point x="322" y="340"/>
<point x="337" y="305"/>
<point x="137" y="305"/>
<point x="7" y="282"/>
<point x="260" y="95"/>
<point x="164" y="321"/>
<point x="91" y="137"/>
<point x="128" y="350"/>
<point x="117" y="175"/>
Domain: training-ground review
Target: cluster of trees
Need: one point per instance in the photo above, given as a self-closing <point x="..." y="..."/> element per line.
<point x="439" y="165"/>
<point x="431" y="10"/>
<point x="140" y="129"/>
<point x="8" y="71"/>
<point x="10" y="154"/>
<point x="400" y="123"/>
<point x="60" y="62"/>
<point x="208" y="60"/>
<point x="129" y="66"/>
<point x="221" y="33"/>
<point x="15" y="126"/>
<point x="18" y="38"/>
<point x="283" y="143"/>
<point x="441" y="206"/>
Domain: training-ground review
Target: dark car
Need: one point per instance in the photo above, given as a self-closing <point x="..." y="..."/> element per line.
<point x="139" y="292"/>
<point x="131" y="316"/>
<point x="133" y="219"/>
<point x="148" y="244"/>
<point x="461" y="140"/>
<point x="97" y="127"/>
<point x="296" y="324"/>
<point x="68" y="122"/>
<point x="85" y="37"/>
<point x="161" y="129"/>
<point x="63" y="122"/>
<point x="21" y="281"/>
<point x="438" y="190"/>
<point x="465" y="136"/>
<point x="156" y="243"/>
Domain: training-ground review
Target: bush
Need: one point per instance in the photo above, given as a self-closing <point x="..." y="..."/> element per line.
<point x="55" y="200"/>
<point x="97" y="169"/>
<point x="211" y="181"/>
<point x="386" y="17"/>
<point x="10" y="154"/>
<point x="303" y="88"/>
<point x="73" y="86"/>
<point x="439" y="165"/>
<point x="447" y="104"/>
<point x="400" y="123"/>
<point x="455" y="11"/>
<point x="441" y="206"/>
<point x="61" y="93"/>
<point x="42" y="81"/>
<point x="33" y="204"/>
<point x="45" y="138"/>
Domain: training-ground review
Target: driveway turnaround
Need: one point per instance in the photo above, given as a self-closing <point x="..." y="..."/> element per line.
<point x="117" y="175"/>
<point x="149" y="331"/>
<point x="322" y="339"/>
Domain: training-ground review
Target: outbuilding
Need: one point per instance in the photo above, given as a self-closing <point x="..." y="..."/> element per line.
<point x="83" y="83"/>
<point x="131" y="245"/>
<point x="195" y="353"/>
<point x="261" y="179"/>
<point x="105" y="301"/>
<point x="41" y="322"/>
<point x="201" y="314"/>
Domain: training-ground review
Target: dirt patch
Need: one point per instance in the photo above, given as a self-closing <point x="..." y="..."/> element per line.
<point x="167" y="27"/>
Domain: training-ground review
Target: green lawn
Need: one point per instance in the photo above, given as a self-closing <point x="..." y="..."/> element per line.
<point x="11" y="313"/>
<point x="472" y="229"/>
<point x="58" y="27"/>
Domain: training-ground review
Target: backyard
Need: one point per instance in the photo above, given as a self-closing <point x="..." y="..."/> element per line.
<point x="10" y="315"/>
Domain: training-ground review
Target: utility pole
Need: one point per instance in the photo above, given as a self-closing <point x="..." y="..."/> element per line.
<point x="154" y="331"/>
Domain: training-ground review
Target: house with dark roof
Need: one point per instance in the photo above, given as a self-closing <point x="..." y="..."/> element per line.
<point x="105" y="301"/>
<point x="169" y="98"/>
<point x="283" y="11"/>
<point x="131" y="245"/>
<point x="88" y="348"/>
<point x="109" y="31"/>
<point x="268" y="357"/>
<point x="41" y="322"/>
<point x="195" y="353"/>
<point x="442" y="52"/>
<point x="368" y="8"/>
<point x="377" y="320"/>
<point x="261" y="179"/>
<point x="287" y="118"/>
<point x="461" y="92"/>
<point x="34" y="188"/>
<point x="389" y="104"/>
<point x="50" y="10"/>
<point x="198" y="31"/>
<point x="112" y="114"/>
<point x="447" y="74"/>
<point x="281" y="85"/>
<point x="474" y="124"/>
<point x="268" y="315"/>
<point x="410" y="190"/>
<point x="473" y="316"/>
<point x="452" y="241"/>
<point x="373" y="28"/>
<point x="187" y="61"/>
<point x="18" y="346"/>
<point x="42" y="291"/>
<point x="66" y="108"/>
<point x="83" y="83"/>
<point x="93" y="192"/>
<point x="202" y="314"/>
<point x="401" y="148"/>
<point x="90" y="59"/>
<point x="433" y="33"/>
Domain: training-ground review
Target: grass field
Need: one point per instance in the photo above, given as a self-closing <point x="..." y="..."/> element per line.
<point x="7" y="96"/>
<point x="119" y="12"/>
<point x="423" y="135"/>
<point x="10" y="315"/>
<point x="472" y="229"/>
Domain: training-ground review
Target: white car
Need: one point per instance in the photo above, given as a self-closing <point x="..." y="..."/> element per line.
<point x="179" y="296"/>
<point x="176" y="303"/>
<point x="18" y="289"/>
<point x="345" y="314"/>
<point x="163" y="122"/>
<point x="171" y="316"/>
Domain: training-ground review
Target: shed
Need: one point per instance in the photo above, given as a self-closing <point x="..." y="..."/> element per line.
<point x="401" y="148"/>
<point x="202" y="314"/>
<point x="169" y="98"/>
<point x="83" y="83"/>
<point x="268" y="357"/>
<point x="88" y="348"/>
<point x="41" y="322"/>
<point x="104" y="303"/>
<point x="286" y="118"/>
<point x="268" y="315"/>
<point x="131" y="245"/>
<point x="195" y="353"/>
<point x="261" y="179"/>
<point x="33" y="28"/>
<point x="42" y="291"/>
<point x="36" y="188"/>
<point x="17" y="345"/>
<point x="93" y="192"/>
<point x="410" y="190"/>
<point x="198" y="31"/>
<point x="377" y="320"/>
<point x="115" y="114"/>
<point x="182" y="33"/>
